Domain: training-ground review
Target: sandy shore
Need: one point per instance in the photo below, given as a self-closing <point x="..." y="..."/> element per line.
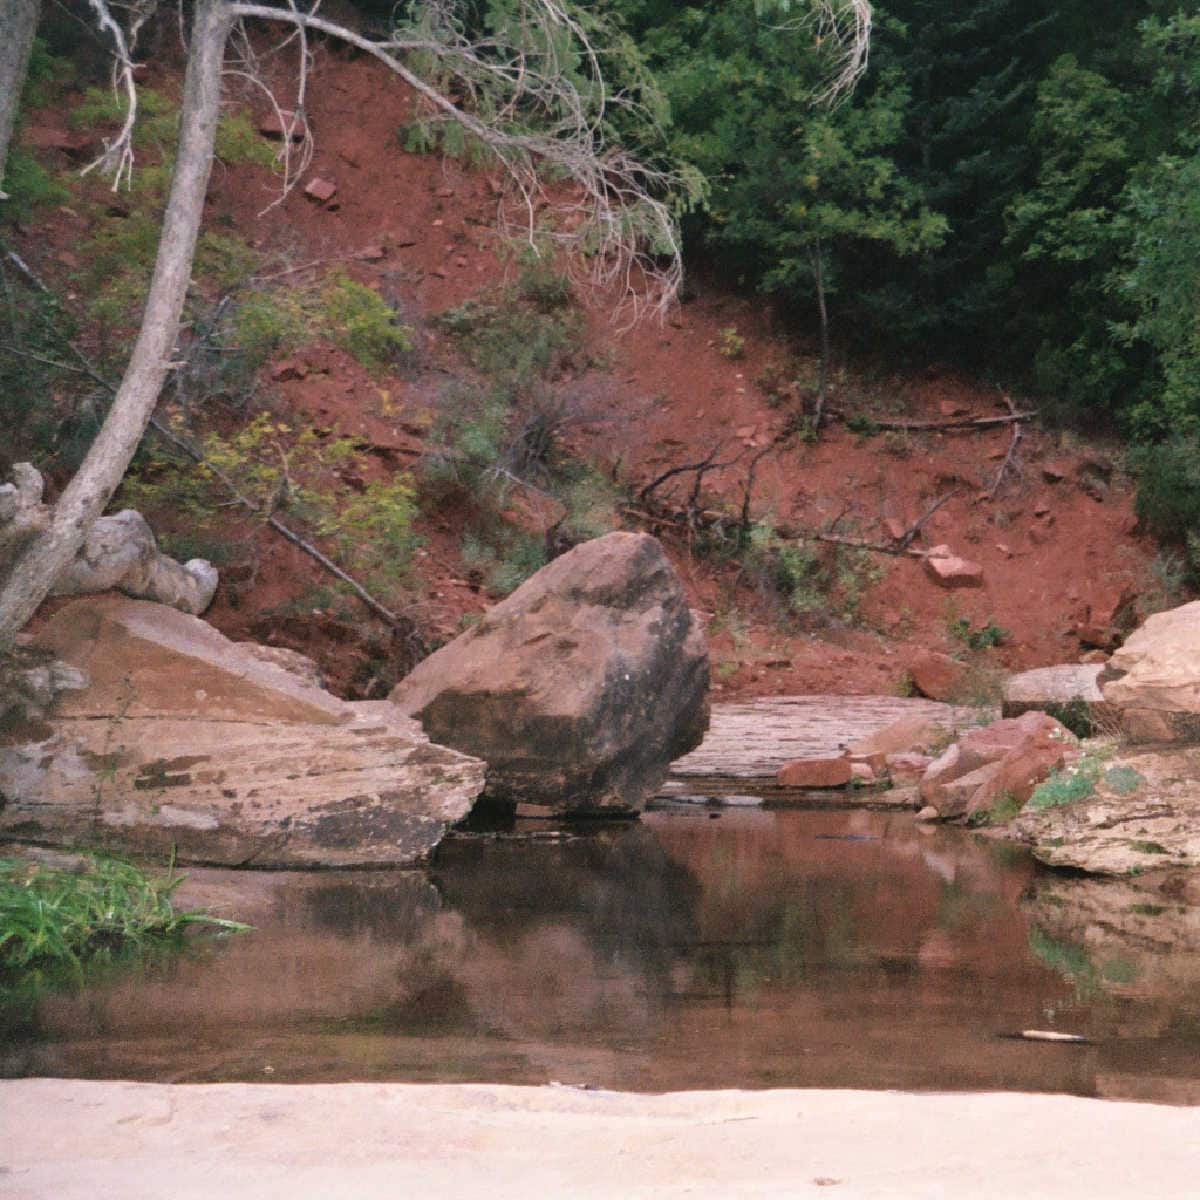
<point x="75" y="1140"/>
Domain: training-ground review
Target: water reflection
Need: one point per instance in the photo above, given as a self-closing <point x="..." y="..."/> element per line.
<point x="758" y="949"/>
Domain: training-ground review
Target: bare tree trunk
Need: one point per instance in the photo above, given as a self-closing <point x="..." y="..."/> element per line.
<point x="18" y="21"/>
<point x="823" y="373"/>
<point x="84" y="499"/>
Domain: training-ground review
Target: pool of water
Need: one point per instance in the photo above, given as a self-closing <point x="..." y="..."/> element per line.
<point x="689" y="950"/>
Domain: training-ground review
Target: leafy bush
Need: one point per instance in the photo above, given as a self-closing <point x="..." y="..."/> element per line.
<point x="49" y="915"/>
<point x="730" y="343"/>
<point x="363" y="323"/>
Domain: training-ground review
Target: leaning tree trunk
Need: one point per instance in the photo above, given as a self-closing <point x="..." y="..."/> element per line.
<point x="19" y="21"/>
<point x="32" y="574"/>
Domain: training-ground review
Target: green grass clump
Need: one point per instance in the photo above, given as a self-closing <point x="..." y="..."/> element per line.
<point x="53" y="916"/>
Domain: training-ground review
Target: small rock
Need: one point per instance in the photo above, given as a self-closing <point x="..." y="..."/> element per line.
<point x="815" y="772"/>
<point x="908" y="766"/>
<point x="321" y="191"/>
<point x="935" y="675"/>
<point x="1054" y="472"/>
<point x="371" y="254"/>
<point x="862" y="772"/>
<point x="947" y="570"/>
<point x="291" y="125"/>
<point x="896" y="528"/>
<point x="928" y="813"/>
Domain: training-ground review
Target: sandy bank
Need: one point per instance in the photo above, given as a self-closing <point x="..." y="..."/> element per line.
<point x="73" y="1140"/>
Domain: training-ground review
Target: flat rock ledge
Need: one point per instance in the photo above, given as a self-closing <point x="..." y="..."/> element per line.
<point x="77" y="1140"/>
<point x="748" y="742"/>
<point x="184" y="742"/>
<point x="1144" y="815"/>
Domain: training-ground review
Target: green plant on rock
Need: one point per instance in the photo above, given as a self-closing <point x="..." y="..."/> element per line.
<point x="1067" y="786"/>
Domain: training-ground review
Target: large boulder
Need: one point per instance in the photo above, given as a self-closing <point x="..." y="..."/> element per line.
<point x="1154" y="678"/>
<point x="184" y="740"/>
<point x="580" y="688"/>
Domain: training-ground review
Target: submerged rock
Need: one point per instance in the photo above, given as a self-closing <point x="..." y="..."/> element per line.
<point x="184" y="740"/>
<point x="580" y="688"/>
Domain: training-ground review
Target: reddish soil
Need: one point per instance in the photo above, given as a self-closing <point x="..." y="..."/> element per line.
<point x="1050" y="541"/>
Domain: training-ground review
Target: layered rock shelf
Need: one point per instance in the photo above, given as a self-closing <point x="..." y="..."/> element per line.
<point x="748" y="743"/>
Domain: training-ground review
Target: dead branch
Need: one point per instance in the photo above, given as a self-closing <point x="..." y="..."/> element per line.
<point x="704" y="465"/>
<point x="26" y="270"/>
<point x="949" y="423"/>
<point x="748" y="487"/>
<point x="1018" y="433"/>
<point x="911" y="532"/>
<point x="896" y="549"/>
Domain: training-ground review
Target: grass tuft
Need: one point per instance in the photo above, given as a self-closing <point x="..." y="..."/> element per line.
<point x="52" y="916"/>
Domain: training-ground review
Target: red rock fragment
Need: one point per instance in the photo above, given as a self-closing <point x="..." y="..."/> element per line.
<point x="271" y="125"/>
<point x="937" y="676"/>
<point x="815" y="772"/>
<point x="321" y="190"/>
<point x="947" y="570"/>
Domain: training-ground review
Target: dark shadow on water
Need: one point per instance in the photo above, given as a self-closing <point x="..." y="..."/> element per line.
<point x="759" y="949"/>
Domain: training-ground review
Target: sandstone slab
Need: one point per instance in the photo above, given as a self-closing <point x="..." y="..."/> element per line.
<point x="1143" y="815"/>
<point x="186" y="743"/>
<point x="1154" y="678"/>
<point x="1070" y="693"/>
<point x="580" y="688"/>
<point x="949" y="570"/>
<point x="937" y="676"/>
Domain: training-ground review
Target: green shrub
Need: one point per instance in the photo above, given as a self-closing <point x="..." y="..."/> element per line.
<point x="730" y="343"/>
<point x="1123" y="779"/>
<point x="541" y="284"/>
<point x="239" y="142"/>
<point x="29" y="186"/>
<point x="363" y="323"/>
<point x="49" y="915"/>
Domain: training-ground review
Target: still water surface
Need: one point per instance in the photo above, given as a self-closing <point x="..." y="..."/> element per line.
<point x="758" y="949"/>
